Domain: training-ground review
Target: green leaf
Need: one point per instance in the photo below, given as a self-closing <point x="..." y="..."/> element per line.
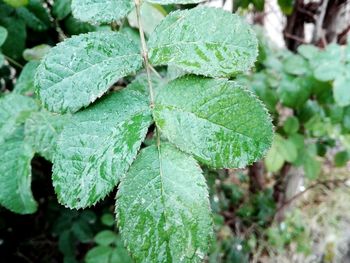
<point x="294" y="92"/>
<point x="295" y="65"/>
<point x="99" y="254"/>
<point x="286" y="6"/>
<point x="96" y="11"/>
<point x="107" y="220"/>
<point x="308" y="51"/>
<point x="81" y="69"/>
<point x="3" y="35"/>
<point x="16" y="38"/>
<point x="205" y="41"/>
<point x="97" y="147"/>
<point x="16" y="3"/>
<point x="341" y="90"/>
<point x="35" y="15"/>
<point x="291" y="125"/>
<point x="163" y="207"/>
<point x="75" y="27"/>
<point x="341" y="158"/>
<point x="15" y="174"/>
<point x="218" y="121"/>
<point x="42" y="130"/>
<point x="36" y="53"/>
<point x="282" y="150"/>
<point x="25" y="82"/>
<point x="14" y="109"/>
<point x="105" y="238"/>
<point x="151" y="15"/>
<point x="61" y="8"/>
<point x="274" y="160"/>
<point x="311" y="165"/>
<point x="326" y="63"/>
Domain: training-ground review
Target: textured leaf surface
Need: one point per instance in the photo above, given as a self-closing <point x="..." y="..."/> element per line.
<point x="98" y="11"/>
<point x="25" y="82"/>
<point x="163" y="208"/>
<point x="96" y="148"/>
<point x="81" y="69"/>
<point x="218" y="121"/>
<point x="15" y="174"/>
<point x="42" y="130"/>
<point x="206" y="41"/>
<point x="14" y="109"/>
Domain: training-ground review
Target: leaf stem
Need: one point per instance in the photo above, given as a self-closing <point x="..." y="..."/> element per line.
<point x="144" y="52"/>
<point x="148" y="66"/>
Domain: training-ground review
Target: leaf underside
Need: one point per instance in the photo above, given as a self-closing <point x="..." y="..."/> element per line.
<point x="222" y="124"/>
<point x="163" y="208"/>
<point x="205" y="41"/>
<point x="97" y="146"/>
<point x="81" y="69"/>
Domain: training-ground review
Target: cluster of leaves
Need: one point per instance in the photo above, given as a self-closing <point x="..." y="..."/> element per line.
<point x="308" y="97"/>
<point x="96" y="143"/>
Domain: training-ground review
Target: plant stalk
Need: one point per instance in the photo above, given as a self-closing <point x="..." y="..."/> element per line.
<point x="148" y="66"/>
<point x="144" y="52"/>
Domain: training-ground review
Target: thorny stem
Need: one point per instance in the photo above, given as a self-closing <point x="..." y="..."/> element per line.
<point x="148" y="66"/>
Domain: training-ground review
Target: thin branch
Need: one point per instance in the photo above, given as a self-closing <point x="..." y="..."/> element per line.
<point x="144" y="52"/>
<point x="14" y="62"/>
<point x="325" y="183"/>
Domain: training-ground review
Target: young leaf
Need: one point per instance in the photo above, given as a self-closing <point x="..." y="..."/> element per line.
<point x="36" y="53"/>
<point x="97" y="146"/>
<point x="97" y="11"/>
<point x="218" y="121"/>
<point x="81" y="69"/>
<point x="163" y="207"/>
<point x="14" y="109"/>
<point x="205" y="41"/>
<point x="15" y="174"/>
<point x="41" y="131"/>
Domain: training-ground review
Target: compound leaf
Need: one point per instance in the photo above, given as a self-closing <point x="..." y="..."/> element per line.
<point x="81" y="69"/>
<point x="97" y="146"/>
<point x="14" y="109"/>
<point x="205" y="41"/>
<point x="98" y="11"/>
<point x="163" y="208"/>
<point x="42" y="130"/>
<point x="218" y="121"/>
<point x="15" y="174"/>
